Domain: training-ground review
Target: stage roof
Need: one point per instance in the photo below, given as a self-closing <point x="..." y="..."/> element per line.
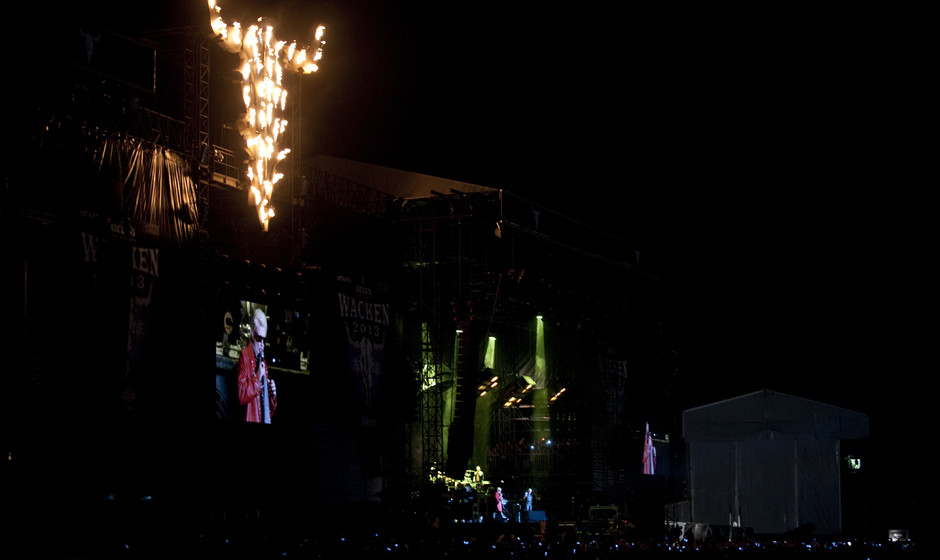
<point x="396" y="182"/>
<point x="768" y="414"/>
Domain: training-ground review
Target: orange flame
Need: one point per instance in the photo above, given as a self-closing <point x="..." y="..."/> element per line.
<point x="264" y="59"/>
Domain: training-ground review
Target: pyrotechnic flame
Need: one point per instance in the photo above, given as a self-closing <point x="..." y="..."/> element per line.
<point x="264" y="59"/>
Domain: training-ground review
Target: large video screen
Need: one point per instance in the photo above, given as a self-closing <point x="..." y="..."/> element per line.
<point x="328" y="348"/>
<point x="344" y="390"/>
<point x="284" y="350"/>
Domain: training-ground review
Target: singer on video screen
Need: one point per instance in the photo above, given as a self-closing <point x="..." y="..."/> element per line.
<point x="256" y="390"/>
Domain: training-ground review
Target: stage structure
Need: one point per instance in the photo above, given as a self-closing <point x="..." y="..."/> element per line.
<point x="499" y="287"/>
<point x="401" y="292"/>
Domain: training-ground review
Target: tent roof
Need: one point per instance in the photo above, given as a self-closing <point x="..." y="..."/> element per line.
<point x="398" y="183"/>
<point x="768" y="414"/>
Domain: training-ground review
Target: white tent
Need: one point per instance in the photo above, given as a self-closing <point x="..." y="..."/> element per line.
<point x="769" y="461"/>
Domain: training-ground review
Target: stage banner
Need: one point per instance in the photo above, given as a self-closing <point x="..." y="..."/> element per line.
<point x="365" y="313"/>
<point x="119" y="278"/>
<point x="144" y="273"/>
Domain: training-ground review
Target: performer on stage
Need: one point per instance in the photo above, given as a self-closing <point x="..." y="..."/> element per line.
<point x="498" y="513"/>
<point x="527" y="500"/>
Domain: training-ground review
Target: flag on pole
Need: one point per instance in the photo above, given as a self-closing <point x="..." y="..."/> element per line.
<point x="649" y="452"/>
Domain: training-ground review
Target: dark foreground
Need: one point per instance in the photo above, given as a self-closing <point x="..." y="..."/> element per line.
<point x="347" y="535"/>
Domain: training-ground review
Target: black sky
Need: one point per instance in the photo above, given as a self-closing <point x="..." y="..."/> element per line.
<point x="771" y="154"/>
<point x="776" y="155"/>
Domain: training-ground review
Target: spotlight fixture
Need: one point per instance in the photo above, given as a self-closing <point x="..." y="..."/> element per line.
<point x="520" y="387"/>
<point x="485" y="387"/>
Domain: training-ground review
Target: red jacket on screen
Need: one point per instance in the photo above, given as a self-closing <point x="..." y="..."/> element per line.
<point x="249" y="386"/>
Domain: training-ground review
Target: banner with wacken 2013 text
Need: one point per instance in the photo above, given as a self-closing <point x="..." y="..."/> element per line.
<point x="365" y="314"/>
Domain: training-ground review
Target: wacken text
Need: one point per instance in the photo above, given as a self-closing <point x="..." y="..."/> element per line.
<point x="145" y="260"/>
<point x="352" y="308"/>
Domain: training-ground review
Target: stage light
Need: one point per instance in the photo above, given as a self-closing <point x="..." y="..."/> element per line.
<point x="485" y="387"/>
<point x="517" y="390"/>
<point x="529" y="383"/>
<point x="489" y="357"/>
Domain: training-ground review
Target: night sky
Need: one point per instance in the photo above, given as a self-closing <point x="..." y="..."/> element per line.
<point x="769" y="154"/>
<point x="774" y="156"/>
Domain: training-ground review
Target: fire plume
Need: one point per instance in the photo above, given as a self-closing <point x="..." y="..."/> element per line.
<point x="264" y="59"/>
